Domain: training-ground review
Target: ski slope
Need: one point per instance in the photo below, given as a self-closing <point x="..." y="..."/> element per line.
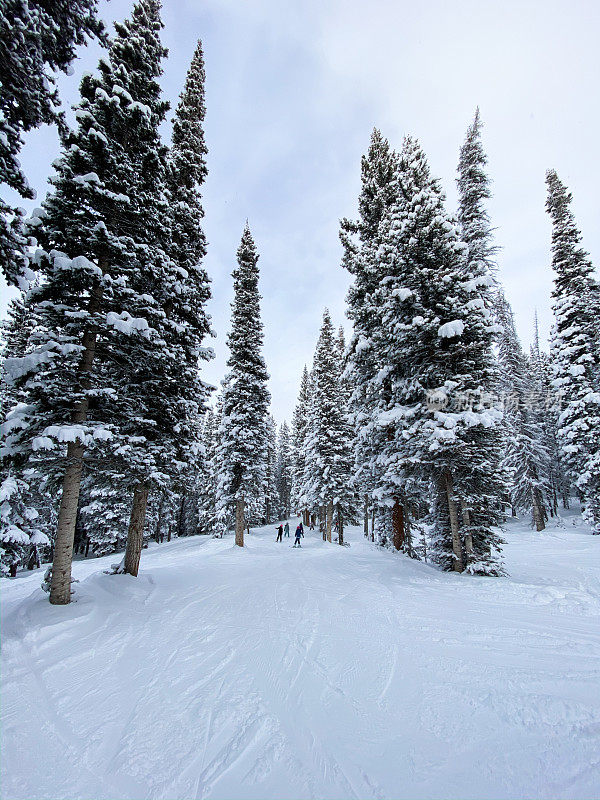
<point x="324" y="672"/>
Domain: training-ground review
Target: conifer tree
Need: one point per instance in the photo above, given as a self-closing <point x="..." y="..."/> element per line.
<point x="284" y="471"/>
<point x="379" y="187"/>
<point x="299" y="421"/>
<point x="433" y="343"/>
<point x="575" y="349"/>
<point x="545" y="414"/>
<point x="243" y="428"/>
<point x="526" y="458"/>
<point x="484" y="467"/>
<point x="271" y="497"/>
<point x="206" y="479"/>
<point x="328" y="441"/>
<point x="37" y="39"/>
<point x="170" y="390"/>
<point x="100" y="264"/>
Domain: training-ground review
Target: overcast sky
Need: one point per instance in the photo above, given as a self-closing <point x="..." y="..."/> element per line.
<point x="294" y="88"/>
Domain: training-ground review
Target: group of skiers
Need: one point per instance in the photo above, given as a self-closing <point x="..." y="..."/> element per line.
<point x="285" y="531"/>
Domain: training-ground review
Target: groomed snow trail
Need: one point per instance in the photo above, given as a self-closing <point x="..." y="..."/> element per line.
<point x="324" y="672"/>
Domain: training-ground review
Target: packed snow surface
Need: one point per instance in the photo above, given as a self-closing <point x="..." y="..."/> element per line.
<point x="321" y="672"/>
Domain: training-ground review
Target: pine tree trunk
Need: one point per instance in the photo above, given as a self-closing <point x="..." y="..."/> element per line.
<point x="407" y="531"/>
<point x="135" y="534"/>
<point x="60" y="585"/>
<point x="268" y="511"/>
<point x="340" y="526"/>
<point x="159" y="518"/>
<point x="181" y="526"/>
<point x="239" y="522"/>
<point x="366" y="519"/>
<point x="466" y="517"/>
<point x="398" y="525"/>
<point x="329" y="519"/>
<point x="373" y="524"/>
<point x="457" y="561"/>
<point x="538" y="516"/>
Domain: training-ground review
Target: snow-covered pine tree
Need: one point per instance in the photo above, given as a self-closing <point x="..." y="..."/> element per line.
<point x="270" y="494"/>
<point x="526" y="458"/>
<point x="28" y="509"/>
<point x="105" y="508"/>
<point x="575" y="349"/>
<point x="431" y="342"/>
<point x="243" y="428"/>
<point x="545" y="413"/>
<point x="185" y="302"/>
<point x="299" y="420"/>
<point x="284" y="471"/>
<point x="37" y="39"/>
<point x="20" y="535"/>
<point x="378" y="191"/>
<point x="328" y="441"/>
<point x="483" y="476"/>
<point x="174" y="398"/>
<point x="100" y="264"/>
<point x="206" y="478"/>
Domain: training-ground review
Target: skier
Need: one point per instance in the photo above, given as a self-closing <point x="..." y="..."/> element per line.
<point x="312" y="523"/>
<point x="301" y="526"/>
<point x="287" y="530"/>
<point x="279" y="534"/>
<point x="297" y="539"/>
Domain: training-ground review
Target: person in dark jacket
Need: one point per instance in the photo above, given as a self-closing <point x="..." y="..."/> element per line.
<point x="301" y="526"/>
<point x="297" y="539"/>
<point x="279" y="534"/>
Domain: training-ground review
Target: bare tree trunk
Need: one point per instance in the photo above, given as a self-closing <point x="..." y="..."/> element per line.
<point x="398" y="524"/>
<point x="159" y="518"/>
<point x="457" y="562"/>
<point x="538" y="516"/>
<point x="340" y="526"/>
<point x="60" y="585"/>
<point x="373" y="524"/>
<point x="239" y="522"/>
<point x="466" y="518"/>
<point x="366" y="517"/>
<point x="329" y="519"/>
<point x="135" y="534"/>
<point x="181" y="527"/>
<point x="407" y="530"/>
<point x="268" y="511"/>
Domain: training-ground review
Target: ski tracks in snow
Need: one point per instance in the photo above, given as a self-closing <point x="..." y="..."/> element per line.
<point x="323" y="672"/>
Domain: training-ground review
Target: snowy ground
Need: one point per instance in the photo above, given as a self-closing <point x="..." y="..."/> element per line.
<point x="325" y="672"/>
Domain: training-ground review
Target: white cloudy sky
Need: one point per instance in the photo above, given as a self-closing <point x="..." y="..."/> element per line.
<point x="294" y="88"/>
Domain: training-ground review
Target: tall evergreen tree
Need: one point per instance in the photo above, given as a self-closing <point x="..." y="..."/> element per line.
<point x="299" y="421"/>
<point x="101" y="264"/>
<point x="526" y="457"/>
<point x="432" y="344"/>
<point x="483" y="475"/>
<point x="271" y="496"/>
<point x="171" y="393"/>
<point x="575" y="349"/>
<point x="243" y="429"/>
<point x="379" y="188"/>
<point x="37" y="39"/>
<point x="545" y="414"/>
<point x="207" y="476"/>
<point x="284" y="471"/>
<point x="328" y="441"/>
